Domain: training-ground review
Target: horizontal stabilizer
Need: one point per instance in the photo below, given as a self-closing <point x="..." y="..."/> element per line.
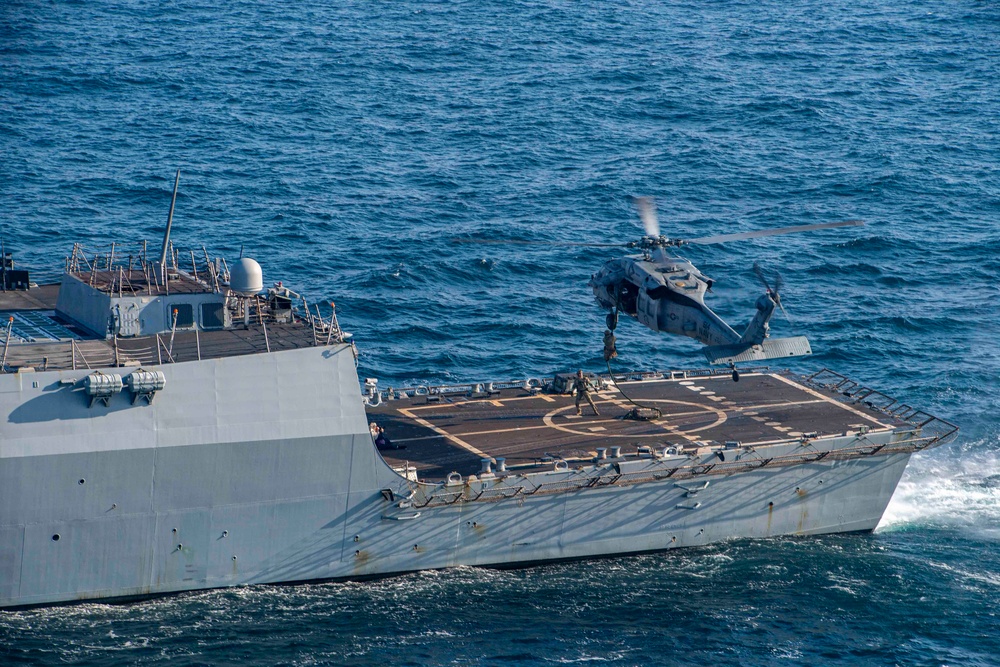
<point x="771" y="348"/>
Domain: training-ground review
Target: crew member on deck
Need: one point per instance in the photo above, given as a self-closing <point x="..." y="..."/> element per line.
<point x="382" y="441"/>
<point x="582" y="388"/>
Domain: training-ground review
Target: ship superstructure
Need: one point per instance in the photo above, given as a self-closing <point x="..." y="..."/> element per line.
<point x="169" y="425"/>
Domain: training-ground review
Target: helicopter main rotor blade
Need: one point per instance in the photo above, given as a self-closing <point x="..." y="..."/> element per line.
<point x="647" y="213"/>
<point x="723" y="238"/>
<point x="538" y="243"/>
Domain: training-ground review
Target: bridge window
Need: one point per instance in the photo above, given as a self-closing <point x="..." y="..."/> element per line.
<point x="185" y="315"/>
<point x="212" y="316"/>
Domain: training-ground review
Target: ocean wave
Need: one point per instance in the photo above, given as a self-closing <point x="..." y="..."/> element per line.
<point x="950" y="487"/>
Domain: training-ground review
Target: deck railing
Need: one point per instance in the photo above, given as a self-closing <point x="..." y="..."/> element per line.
<point x="514" y="485"/>
<point x="880" y="402"/>
<point x="165" y="348"/>
<point x="375" y="396"/>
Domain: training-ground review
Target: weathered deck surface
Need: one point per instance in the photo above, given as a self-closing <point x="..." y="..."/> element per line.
<point x="147" y="350"/>
<point x="42" y="297"/>
<point x="455" y="433"/>
<point x="136" y="282"/>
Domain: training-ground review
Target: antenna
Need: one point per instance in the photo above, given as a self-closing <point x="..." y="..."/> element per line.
<point x="170" y="220"/>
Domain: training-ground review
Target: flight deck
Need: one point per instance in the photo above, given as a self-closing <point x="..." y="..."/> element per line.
<point x="440" y="432"/>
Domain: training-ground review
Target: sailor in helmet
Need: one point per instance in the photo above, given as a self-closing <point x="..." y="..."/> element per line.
<point x="582" y="387"/>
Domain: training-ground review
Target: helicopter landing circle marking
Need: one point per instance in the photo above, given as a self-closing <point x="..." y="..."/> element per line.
<point x="576" y="429"/>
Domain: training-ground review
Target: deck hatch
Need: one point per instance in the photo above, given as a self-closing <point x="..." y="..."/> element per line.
<point x="36" y="325"/>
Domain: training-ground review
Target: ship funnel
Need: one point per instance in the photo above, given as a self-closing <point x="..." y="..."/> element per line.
<point x="246" y="277"/>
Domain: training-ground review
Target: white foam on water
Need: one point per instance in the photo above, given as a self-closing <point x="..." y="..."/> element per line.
<point x="981" y="577"/>
<point x="614" y="657"/>
<point x="955" y="486"/>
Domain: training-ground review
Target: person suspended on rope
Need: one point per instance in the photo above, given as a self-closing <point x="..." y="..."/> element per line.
<point x="610" y="349"/>
<point x="582" y="387"/>
<point x="640" y="412"/>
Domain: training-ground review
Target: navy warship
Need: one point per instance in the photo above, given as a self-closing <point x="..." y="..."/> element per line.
<point x="171" y="425"/>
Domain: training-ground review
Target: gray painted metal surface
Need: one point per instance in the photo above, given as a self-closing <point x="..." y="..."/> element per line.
<point x="220" y="465"/>
<point x="769" y="348"/>
<point x="261" y="468"/>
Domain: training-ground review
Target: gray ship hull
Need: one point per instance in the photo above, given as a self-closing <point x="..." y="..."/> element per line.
<point x="261" y="469"/>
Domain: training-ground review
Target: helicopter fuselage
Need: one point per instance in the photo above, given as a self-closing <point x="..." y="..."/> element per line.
<point x="667" y="294"/>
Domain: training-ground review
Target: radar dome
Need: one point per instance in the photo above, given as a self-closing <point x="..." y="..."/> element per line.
<point x="246" y="277"/>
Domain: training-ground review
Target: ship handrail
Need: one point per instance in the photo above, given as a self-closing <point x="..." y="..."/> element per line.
<point x="581" y="479"/>
<point x="189" y="345"/>
<point x="535" y="383"/>
<point x="880" y="402"/>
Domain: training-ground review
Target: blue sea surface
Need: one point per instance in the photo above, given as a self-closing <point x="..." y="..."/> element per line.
<point x="345" y="145"/>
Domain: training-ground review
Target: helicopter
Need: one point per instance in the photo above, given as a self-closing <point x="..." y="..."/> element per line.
<point x="666" y="293"/>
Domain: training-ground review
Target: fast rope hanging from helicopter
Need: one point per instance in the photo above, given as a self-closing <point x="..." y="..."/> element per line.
<point x="640" y="412"/>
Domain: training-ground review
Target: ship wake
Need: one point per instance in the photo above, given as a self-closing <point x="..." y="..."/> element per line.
<point x="950" y="487"/>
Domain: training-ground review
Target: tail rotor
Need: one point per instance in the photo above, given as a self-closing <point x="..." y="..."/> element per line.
<point x="774" y="292"/>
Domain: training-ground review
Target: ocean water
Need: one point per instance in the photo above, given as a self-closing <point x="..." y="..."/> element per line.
<point x="345" y="145"/>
